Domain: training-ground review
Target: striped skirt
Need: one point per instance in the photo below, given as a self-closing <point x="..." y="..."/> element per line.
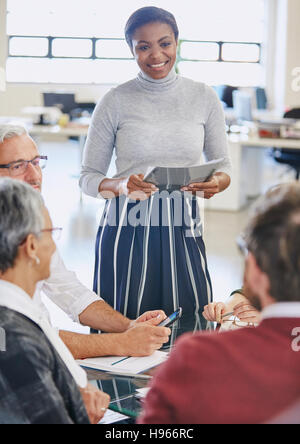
<point x="150" y="255"/>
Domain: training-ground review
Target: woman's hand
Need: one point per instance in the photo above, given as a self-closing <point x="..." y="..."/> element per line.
<point x="136" y="189"/>
<point x="209" y="188"/>
<point x="246" y="313"/>
<point x="213" y="312"/>
<point x="218" y="183"/>
<point x="96" y="403"/>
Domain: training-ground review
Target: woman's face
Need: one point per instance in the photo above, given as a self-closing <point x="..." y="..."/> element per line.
<point x="155" y="48"/>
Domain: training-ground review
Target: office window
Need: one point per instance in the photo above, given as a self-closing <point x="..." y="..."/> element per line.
<point x="72" y="48"/>
<point x="117" y="48"/>
<point x="199" y="51"/>
<point x="240" y="52"/>
<point x="72" y="41"/>
<point x="34" y="47"/>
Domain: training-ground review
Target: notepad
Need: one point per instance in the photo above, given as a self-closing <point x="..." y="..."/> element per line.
<point x="176" y="178"/>
<point x="124" y="366"/>
<point x="141" y="393"/>
<point x="112" y="417"/>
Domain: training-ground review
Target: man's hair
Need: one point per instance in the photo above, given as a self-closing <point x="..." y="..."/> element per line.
<point x="9" y="131"/>
<point x="273" y="237"/>
<point x="21" y="213"/>
<point x="149" y="14"/>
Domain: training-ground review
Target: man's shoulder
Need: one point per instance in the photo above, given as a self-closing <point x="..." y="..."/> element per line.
<point x="215" y="343"/>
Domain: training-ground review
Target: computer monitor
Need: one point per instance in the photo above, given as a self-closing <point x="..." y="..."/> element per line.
<point x="242" y="104"/>
<point x="64" y="101"/>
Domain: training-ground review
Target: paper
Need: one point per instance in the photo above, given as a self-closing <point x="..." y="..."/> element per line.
<point x="2" y="80"/>
<point x="176" y="178"/>
<point x="111" y="417"/>
<point x="141" y="393"/>
<point x="121" y="365"/>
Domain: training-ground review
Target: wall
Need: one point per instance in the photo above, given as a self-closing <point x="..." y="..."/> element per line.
<point x="278" y="71"/>
<point x="292" y="94"/>
<point x="2" y="36"/>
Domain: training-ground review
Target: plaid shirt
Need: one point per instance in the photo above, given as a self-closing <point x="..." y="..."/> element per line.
<point x="35" y="385"/>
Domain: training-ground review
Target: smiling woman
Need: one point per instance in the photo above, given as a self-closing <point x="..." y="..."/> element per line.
<point x="156" y="119"/>
<point x="155" y="55"/>
<point x="153" y="44"/>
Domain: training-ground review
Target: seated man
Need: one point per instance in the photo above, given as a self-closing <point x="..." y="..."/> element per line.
<point x="20" y="159"/>
<point x="39" y="379"/>
<point x="248" y="375"/>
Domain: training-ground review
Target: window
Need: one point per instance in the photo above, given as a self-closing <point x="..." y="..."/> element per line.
<point x="27" y="46"/>
<point x="72" y="48"/>
<point x="72" y="41"/>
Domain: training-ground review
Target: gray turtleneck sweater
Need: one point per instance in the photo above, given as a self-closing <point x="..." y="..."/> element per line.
<point x="170" y="122"/>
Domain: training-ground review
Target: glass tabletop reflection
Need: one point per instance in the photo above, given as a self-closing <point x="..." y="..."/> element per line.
<point x="123" y="390"/>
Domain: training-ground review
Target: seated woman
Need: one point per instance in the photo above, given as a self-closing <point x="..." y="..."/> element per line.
<point x="39" y="379"/>
<point x="237" y="305"/>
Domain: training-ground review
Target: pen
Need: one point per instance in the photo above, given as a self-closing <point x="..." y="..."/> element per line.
<point x="228" y="314"/>
<point x="123" y="411"/>
<point x="121" y="360"/>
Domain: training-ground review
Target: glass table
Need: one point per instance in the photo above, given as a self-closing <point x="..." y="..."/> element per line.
<point x="123" y="389"/>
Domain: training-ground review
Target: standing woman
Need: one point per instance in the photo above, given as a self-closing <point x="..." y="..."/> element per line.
<point x="156" y="119"/>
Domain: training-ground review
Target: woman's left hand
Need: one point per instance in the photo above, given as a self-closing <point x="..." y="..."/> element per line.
<point x="246" y="313"/>
<point x="209" y="188"/>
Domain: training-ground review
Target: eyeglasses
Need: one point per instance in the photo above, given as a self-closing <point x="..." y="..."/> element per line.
<point x="18" y="168"/>
<point x="56" y="232"/>
<point x="235" y="323"/>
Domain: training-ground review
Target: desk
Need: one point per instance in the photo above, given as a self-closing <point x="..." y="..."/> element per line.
<point x="56" y="130"/>
<point x="122" y="389"/>
<point x="247" y="155"/>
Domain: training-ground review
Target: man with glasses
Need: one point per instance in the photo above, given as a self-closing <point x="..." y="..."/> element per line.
<point x="250" y="375"/>
<point x="20" y="160"/>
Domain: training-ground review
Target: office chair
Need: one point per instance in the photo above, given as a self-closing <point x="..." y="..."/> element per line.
<point x="287" y="156"/>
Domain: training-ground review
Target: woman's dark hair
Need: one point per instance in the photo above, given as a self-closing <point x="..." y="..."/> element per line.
<point x="149" y="14"/>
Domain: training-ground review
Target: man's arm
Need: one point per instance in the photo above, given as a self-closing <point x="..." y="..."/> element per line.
<point x="142" y="340"/>
<point x="81" y="304"/>
<point x="101" y="316"/>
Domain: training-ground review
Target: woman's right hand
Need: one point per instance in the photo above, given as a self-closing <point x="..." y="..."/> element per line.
<point x="213" y="312"/>
<point x="136" y="189"/>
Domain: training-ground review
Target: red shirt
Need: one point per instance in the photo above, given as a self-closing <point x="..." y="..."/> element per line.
<point x="244" y="376"/>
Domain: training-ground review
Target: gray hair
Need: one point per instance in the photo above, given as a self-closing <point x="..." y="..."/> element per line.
<point x="9" y="130"/>
<point x="21" y="213"/>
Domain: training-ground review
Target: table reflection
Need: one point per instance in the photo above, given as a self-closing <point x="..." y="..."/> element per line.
<point x="122" y="389"/>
